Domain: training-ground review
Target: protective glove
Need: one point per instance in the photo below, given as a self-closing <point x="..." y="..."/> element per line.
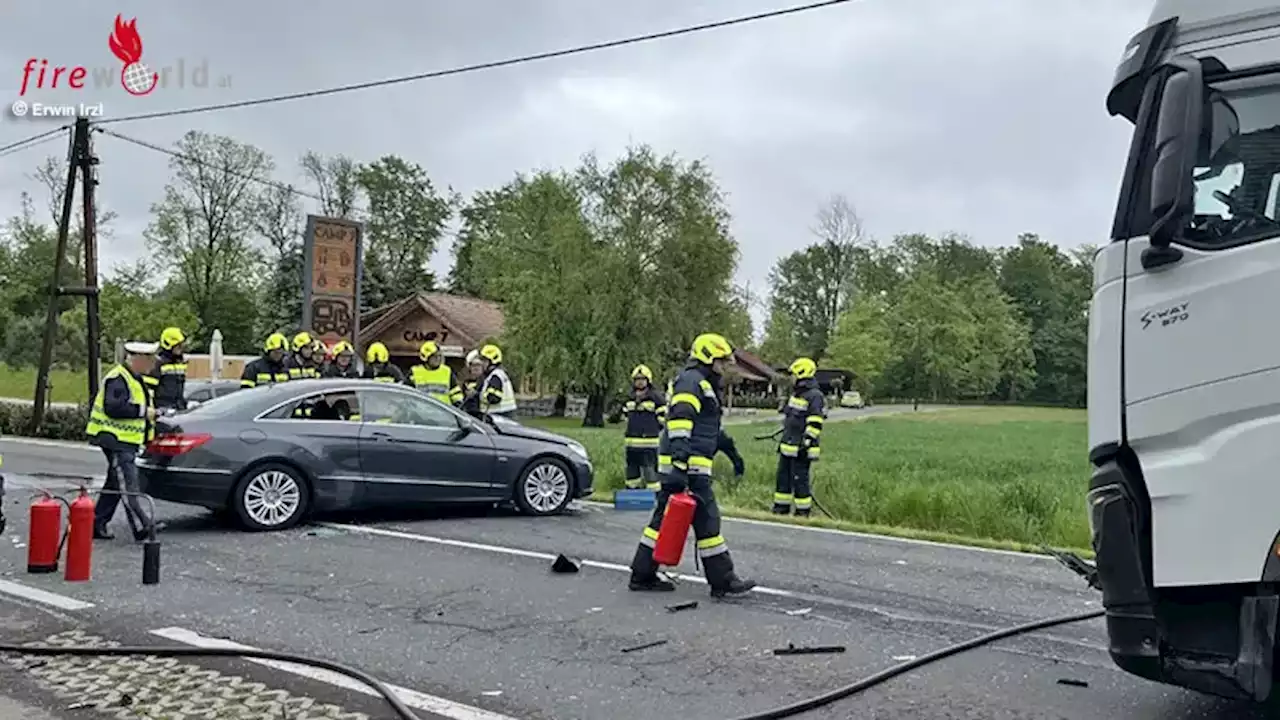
<point x="739" y="467"/>
<point x="677" y="480"/>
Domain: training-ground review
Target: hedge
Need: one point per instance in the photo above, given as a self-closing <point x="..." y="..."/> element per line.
<point x="60" y="423"/>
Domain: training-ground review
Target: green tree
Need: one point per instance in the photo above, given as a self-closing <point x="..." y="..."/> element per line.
<point x="478" y="216"/>
<point x="863" y="343"/>
<point x="934" y="336"/>
<point x="407" y="217"/>
<point x="132" y="307"/>
<point x="779" y="345"/>
<point x="280" y="223"/>
<point x="337" y="183"/>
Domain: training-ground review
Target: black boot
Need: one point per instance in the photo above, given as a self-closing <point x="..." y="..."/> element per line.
<point x="644" y="573"/>
<point x="781" y="509"/>
<point x="722" y="578"/>
<point x="802" y="513"/>
<point x="102" y="532"/>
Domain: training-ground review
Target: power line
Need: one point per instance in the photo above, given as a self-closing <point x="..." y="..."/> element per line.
<point x="33" y="141"/>
<point x="520" y="60"/>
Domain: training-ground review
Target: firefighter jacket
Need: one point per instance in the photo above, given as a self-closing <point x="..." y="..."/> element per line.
<point x="498" y="396"/>
<point x="803" y="416"/>
<point x="168" y="381"/>
<point x="263" y="371"/>
<point x="386" y="373"/>
<point x="643" y="422"/>
<point x="300" y="368"/>
<point x="692" y="434"/>
<point x="440" y="383"/>
<point x="336" y="371"/>
<point x="118" y="417"/>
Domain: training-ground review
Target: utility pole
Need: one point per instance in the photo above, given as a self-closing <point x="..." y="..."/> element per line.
<point x="80" y="160"/>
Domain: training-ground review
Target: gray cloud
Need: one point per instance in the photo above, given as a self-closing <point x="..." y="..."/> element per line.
<point x="983" y="117"/>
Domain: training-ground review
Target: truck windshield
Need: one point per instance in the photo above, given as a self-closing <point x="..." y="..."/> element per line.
<point x="1238" y="188"/>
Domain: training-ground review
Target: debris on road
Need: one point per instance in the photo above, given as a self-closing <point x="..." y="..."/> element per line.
<point x="801" y="611"/>
<point x="645" y="646"/>
<point x="903" y="658"/>
<point x="682" y="606"/>
<point x="491" y="693"/>
<point x="791" y="649"/>
<point x="564" y="565"/>
<point x="1073" y="683"/>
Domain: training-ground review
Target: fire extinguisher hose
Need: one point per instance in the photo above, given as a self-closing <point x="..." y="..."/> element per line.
<point x="405" y="713"/>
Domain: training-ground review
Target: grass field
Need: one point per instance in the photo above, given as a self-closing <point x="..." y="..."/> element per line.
<point x="997" y="477"/>
<point x="67" y="386"/>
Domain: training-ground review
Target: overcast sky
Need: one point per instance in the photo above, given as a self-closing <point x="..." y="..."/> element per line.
<point x="983" y="117"/>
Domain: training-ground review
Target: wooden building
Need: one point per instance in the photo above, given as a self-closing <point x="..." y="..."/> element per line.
<point x="456" y="323"/>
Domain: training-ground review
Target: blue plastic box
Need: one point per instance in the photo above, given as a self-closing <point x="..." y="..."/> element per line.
<point x="634" y="499"/>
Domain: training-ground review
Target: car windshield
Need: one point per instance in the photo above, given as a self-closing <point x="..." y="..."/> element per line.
<point x="1238" y="183"/>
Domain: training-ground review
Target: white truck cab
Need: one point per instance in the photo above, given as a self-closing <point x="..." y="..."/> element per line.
<point x="1184" y="354"/>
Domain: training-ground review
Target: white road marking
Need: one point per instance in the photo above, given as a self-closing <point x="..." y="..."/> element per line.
<point x="412" y="698"/>
<point x="598" y="564"/>
<point x="52" y="443"/>
<point x="44" y="597"/>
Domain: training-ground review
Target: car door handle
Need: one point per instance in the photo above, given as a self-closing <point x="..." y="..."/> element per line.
<point x="382" y="437"/>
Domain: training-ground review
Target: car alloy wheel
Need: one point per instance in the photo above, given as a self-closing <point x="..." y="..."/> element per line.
<point x="544" y="488"/>
<point x="271" y="497"/>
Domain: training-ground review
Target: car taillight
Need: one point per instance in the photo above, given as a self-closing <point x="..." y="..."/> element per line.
<point x="177" y="444"/>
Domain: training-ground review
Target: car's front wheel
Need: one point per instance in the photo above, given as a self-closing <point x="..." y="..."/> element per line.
<point x="270" y="497"/>
<point x="545" y="487"/>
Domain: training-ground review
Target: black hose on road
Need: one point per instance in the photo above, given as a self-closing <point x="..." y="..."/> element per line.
<point x="406" y="714"/>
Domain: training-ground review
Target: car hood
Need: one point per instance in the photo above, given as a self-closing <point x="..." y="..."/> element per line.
<point x="515" y="429"/>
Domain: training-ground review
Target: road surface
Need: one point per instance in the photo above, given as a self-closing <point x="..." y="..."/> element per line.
<point x="462" y="612"/>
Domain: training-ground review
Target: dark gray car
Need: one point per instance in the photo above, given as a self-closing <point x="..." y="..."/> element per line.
<point x="272" y="455"/>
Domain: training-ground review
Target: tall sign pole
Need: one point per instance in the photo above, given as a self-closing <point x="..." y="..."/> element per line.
<point x="333" y="262"/>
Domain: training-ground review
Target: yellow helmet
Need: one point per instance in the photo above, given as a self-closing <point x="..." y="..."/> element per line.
<point x="709" y="347"/>
<point x="301" y="340"/>
<point x="642" y="371"/>
<point x="428" y="349"/>
<point x="492" y="353"/>
<point x="318" y="347"/>
<point x="377" y="353"/>
<point x="803" y="368"/>
<point x="171" y="338"/>
<point x="275" y="341"/>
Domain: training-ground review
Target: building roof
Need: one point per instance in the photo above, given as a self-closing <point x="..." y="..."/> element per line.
<point x="753" y="368"/>
<point x="470" y="320"/>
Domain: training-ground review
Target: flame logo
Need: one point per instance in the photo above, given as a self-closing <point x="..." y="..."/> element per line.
<point x="126" y="44"/>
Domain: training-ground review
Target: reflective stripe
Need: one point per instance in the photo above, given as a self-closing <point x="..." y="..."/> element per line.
<point x="814" y="452"/>
<point x="631" y="405"/>
<point x="248" y="383"/>
<point x="803" y="503"/>
<point x="798" y="403"/>
<point x="706" y="388"/>
<point x="687" y="399"/>
<point x="653" y="486"/>
<point x="650" y="533"/>
<point x="506" y="401"/>
<point x="385" y="379"/>
<point x="788" y="450"/>
<point x="174" y="369"/>
<point x="640" y="442"/>
<point x="782" y="498"/>
<point x="699" y="465"/>
<point x="151" y="380"/>
<point x="648" y="405"/>
<point x="714" y="545"/>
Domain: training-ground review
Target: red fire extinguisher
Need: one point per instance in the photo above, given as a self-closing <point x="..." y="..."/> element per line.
<point x="44" y="537"/>
<point x="674" y="531"/>
<point x="80" y="538"/>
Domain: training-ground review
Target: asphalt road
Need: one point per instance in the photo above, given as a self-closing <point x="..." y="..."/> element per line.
<point x="463" y="608"/>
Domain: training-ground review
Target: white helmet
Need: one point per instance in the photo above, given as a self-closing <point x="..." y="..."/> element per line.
<point x="473" y="356"/>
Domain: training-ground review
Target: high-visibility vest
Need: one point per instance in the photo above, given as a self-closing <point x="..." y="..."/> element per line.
<point x="508" y="402"/>
<point x="436" y="383"/>
<point x="130" y="431"/>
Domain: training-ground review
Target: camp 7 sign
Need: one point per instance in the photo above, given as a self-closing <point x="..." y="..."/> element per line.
<point x="332" y="265"/>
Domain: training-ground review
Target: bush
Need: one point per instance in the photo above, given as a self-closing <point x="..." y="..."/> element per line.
<point x="60" y="423"/>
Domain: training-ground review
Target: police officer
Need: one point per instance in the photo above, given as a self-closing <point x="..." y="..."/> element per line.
<point x="168" y="377"/>
<point x="121" y="421"/>
<point x="344" y="362"/>
<point x="271" y="367"/>
<point x="803" y="416"/>
<point x="302" y="362"/>
<point x="685" y="452"/>
<point x="497" y="394"/>
<point x="378" y="365"/>
<point x="643" y="428"/>
<point x="434" y="377"/>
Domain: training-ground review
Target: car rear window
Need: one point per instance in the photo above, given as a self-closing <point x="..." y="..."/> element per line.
<point x="225" y="404"/>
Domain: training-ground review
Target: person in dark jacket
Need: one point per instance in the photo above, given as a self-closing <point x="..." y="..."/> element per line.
<point x="644" y="426"/>
<point x="122" y="421"/>
<point x="803" y="417"/>
<point x="271" y="367"/>
<point x="168" y="377"/>
<point x="378" y="365"/>
<point x="471" y="387"/>
<point x="685" y="450"/>
<point x="344" y="362"/>
<point x="302" y="361"/>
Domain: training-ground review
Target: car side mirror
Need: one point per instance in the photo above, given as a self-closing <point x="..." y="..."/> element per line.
<point x="1176" y="150"/>
<point x="466" y="426"/>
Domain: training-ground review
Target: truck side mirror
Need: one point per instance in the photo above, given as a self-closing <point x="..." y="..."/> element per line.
<point x="1179" y="122"/>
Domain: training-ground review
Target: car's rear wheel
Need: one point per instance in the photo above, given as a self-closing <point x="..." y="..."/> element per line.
<point x="271" y="497"/>
<point x="545" y="487"/>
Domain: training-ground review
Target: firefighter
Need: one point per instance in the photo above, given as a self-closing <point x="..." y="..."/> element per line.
<point x="321" y="356"/>
<point x="271" y="368"/>
<point x="378" y="365"/>
<point x="802" y="422"/>
<point x="122" y="421"/>
<point x="344" y="362"/>
<point x="724" y="444"/>
<point x="168" y="377"/>
<point x="302" y="361"/>
<point x="643" y="429"/>
<point x="685" y="450"/>
<point x="434" y="377"/>
<point x="497" y="395"/>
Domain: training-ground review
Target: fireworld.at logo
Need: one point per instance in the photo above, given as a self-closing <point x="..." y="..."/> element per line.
<point x="126" y="44"/>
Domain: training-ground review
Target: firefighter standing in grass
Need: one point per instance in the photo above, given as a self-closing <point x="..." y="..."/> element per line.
<point x="168" y="378"/>
<point x="497" y="394"/>
<point x="434" y="377"/>
<point x="643" y="428"/>
<point x="303" y="363"/>
<point x="378" y="365"/>
<point x="803" y="416"/>
<point x="685" y="451"/>
<point x="271" y="367"/>
<point x="344" y="362"/>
